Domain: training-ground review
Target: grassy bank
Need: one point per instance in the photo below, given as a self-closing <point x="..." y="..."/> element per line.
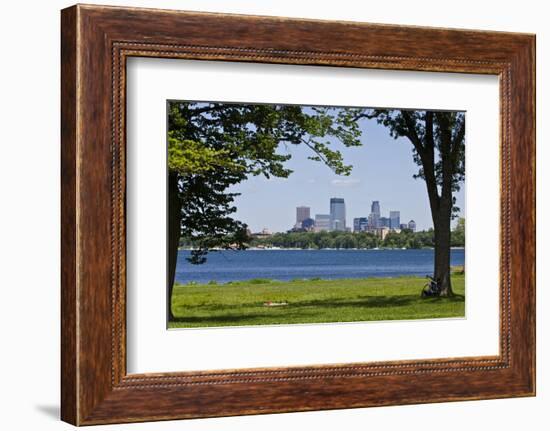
<point x="266" y="302"/>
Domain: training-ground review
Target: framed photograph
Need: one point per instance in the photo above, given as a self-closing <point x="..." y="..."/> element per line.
<point x="283" y="215"/>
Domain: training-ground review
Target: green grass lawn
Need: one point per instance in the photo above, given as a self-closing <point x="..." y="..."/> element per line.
<point x="310" y="301"/>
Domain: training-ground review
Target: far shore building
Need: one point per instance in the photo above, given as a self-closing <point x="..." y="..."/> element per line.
<point x="394" y="219"/>
<point x="383" y="232"/>
<point x="412" y="225"/>
<point x="374" y="216"/>
<point x="308" y="224"/>
<point x="384" y="222"/>
<point x="302" y="213"/>
<point x="337" y="214"/>
<point x="360" y="224"/>
<point x="265" y="233"/>
<point x="322" y="223"/>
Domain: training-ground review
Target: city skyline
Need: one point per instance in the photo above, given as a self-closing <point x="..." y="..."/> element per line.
<point x="316" y="222"/>
<point x="383" y="170"/>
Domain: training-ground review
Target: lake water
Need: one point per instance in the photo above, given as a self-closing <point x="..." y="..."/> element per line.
<point x="224" y="266"/>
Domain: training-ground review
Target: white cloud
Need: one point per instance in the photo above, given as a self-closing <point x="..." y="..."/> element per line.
<point x="347" y="182"/>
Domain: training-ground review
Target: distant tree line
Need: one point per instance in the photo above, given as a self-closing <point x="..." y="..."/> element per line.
<point x="406" y="238"/>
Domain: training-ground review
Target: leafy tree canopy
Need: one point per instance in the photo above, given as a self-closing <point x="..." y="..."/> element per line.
<point x="213" y="146"/>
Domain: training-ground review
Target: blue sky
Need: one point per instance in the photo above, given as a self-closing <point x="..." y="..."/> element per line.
<point x="382" y="170"/>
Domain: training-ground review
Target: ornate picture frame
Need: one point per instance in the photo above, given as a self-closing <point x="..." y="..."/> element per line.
<point x="96" y="41"/>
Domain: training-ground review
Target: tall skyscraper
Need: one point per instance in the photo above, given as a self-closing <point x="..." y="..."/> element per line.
<point x="302" y="213"/>
<point x="394" y="219"/>
<point x="337" y="214"/>
<point x="322" y="222"/>
<point x="374" y="216"/>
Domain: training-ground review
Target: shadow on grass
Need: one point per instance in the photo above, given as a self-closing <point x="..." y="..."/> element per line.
<point x="363" y="301"/>
<point x="455" y="298"/>
<point x="225" y="318"/>
<point x="233" y="319"/>
<point x="369" y="301"/>
<point x="376" y="301"/>
<point x="301" y="309"/>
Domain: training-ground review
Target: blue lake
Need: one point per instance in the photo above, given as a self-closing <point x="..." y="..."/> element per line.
<point x="224" y="266"/>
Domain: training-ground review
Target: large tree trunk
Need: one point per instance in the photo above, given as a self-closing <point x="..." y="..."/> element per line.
<point x="442" y="254"/>
<point x="441" y="209"/>
<point x="441" y="206"/>
<point x="174" y="231"/>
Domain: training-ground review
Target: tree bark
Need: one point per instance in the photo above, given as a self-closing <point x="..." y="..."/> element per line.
<point x="440" y="205"/>
<point x="442" y="254"/>
<point x="442" y="219"/>
<point x="174" y="232"/>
